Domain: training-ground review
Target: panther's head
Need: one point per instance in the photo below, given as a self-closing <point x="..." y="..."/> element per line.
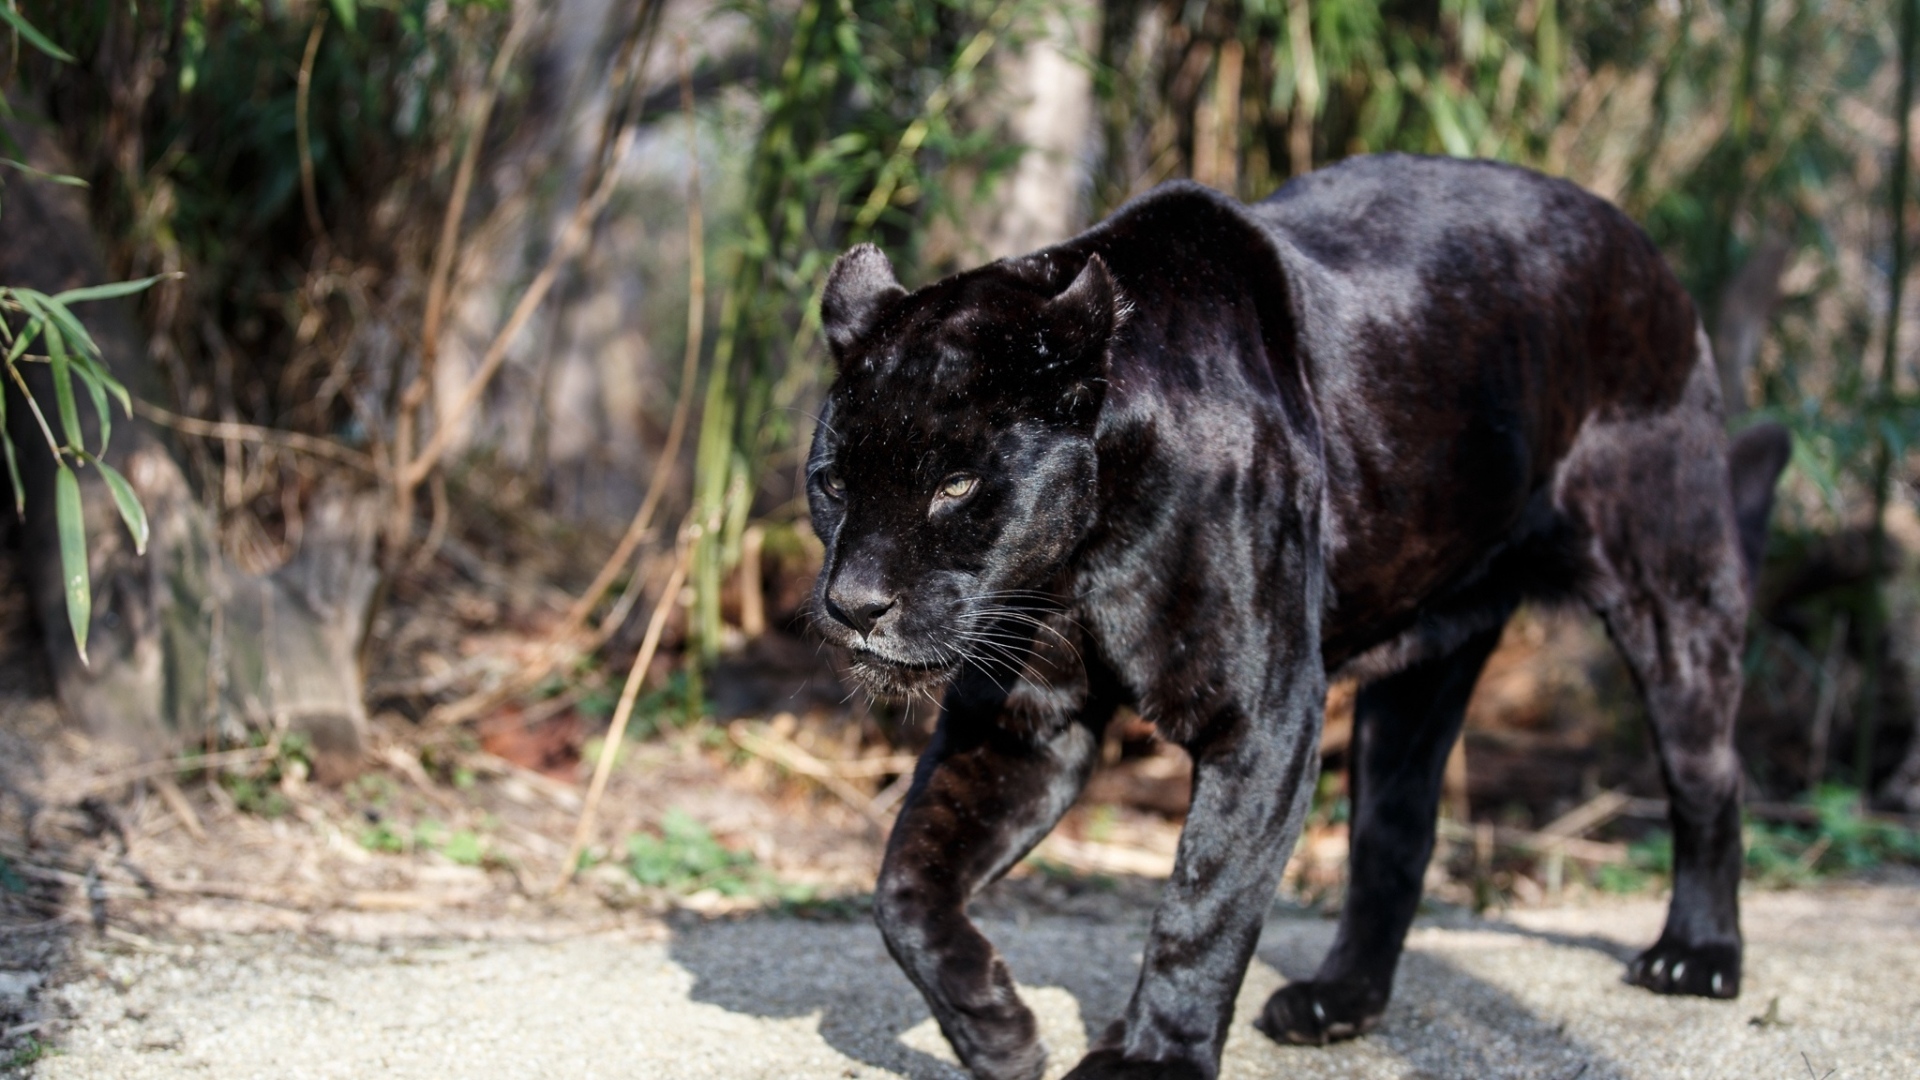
<point x="953" y="472"/>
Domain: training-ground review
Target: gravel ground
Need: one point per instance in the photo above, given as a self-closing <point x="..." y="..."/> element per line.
<point x="1833" y="989"/>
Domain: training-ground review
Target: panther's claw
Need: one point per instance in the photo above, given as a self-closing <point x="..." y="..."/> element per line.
<point x="1672" y="967"/>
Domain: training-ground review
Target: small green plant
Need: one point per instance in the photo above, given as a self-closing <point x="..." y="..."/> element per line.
<point x="255" y="795"/>
<point x="1648" y="860"/>
<point x="1841" y="840"/>
<point x="685" y="858"/>
<point x="372" y="789"/>
<point x="31" y="1050"/>
<point x="384" y="836"/>
<point x="462" y="846"/>
<point x="256" y="789"/>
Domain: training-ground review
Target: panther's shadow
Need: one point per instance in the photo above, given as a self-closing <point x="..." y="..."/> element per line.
<point x="1442" y="1017"/>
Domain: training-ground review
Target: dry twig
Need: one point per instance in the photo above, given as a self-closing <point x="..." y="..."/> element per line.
<point x="1537" y="843"/>
<point x="557" y="645"/>
<point x="832" y="776"/>
<point x="303" y="97"/>
<point x="109" y="781"/>
<point x="617" y="731"/>
<point x="285" y="440"/>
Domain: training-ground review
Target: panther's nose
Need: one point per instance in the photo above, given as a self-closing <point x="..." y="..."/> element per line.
<point x="858" y="604"/>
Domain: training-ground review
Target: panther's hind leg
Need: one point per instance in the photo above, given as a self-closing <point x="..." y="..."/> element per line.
<point x="1653" y="494"/>
<point x="1405" y="724"/>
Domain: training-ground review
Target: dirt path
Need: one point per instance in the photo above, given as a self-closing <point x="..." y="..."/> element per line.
<point x="1536" y="995"/>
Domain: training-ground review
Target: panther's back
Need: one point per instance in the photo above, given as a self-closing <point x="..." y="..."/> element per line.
<point x="1461" y="320"/>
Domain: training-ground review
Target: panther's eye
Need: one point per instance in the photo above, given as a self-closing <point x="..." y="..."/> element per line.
<point x="959" y="486"/>
<point x="831" y="483"/>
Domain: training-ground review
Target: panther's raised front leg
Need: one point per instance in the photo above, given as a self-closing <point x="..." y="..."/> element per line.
<point x="1405" y="724"/>
<point x="987" y="790"/>
<point x="1253" y="780"/>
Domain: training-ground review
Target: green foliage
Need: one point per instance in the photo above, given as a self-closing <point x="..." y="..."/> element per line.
<point x="254" y="786"/>
<point x="1841" y="840"/>
<point x="1648" y="860"/>
<point x="685" y="858"/>
<point x="74" y="358"/>
<point x="384" y="836"/>
<point x="33" y="1048"/>
<point x="256" y="789"/>
<point x="463" y="846"/>
<point x="864" y="114"/>
<point x="199" y="125"/>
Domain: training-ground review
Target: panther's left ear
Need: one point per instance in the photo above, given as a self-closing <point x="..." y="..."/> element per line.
<point x="1079" y="325"/>
<point x="860" y="287"/>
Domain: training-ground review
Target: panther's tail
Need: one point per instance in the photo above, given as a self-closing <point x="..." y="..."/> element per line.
<point x="1754" y="462"/>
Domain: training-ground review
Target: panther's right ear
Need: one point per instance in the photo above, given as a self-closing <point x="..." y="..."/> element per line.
<point x="859" y="289"/>
<point x="1084" y="316"/>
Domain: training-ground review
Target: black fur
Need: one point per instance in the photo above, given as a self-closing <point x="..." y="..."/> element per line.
<point x="1203" y="455"/>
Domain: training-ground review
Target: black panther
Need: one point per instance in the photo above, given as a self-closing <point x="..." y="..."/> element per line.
<point x="1201" y="456"/>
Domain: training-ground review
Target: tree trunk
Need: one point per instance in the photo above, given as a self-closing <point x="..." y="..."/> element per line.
<point x="183" y="647"/>
<point x="1051" y="101"/>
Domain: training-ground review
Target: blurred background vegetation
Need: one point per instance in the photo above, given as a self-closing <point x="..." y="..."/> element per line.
<point x="539" y="280"/>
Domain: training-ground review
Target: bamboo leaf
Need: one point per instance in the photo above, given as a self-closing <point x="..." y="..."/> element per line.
<point x="34" y="37"/>
<point x="71" y="523"/>
<point x="24" y="339"/>
<point x="63" y="387"/>
<point x="71" y="328"/>
<point x="131" y="511"/>
<point x="52" y="178"/>
<point x="13" y="470"/>
<point x="109" y="291"/>
<point x="13" y="463"/>
<point x="85" y="369"/>
<point x="89" y="353"/>
<point x="346" y="11"/>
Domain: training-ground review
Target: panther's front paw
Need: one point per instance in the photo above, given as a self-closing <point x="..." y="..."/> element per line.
<point x="1109" y="1065"/>
<point x="1672" y="967"/>
<point x="1317" y="1013"/>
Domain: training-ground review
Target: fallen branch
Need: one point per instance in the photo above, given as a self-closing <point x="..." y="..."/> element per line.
<point x="1588" y="816"/>
<point x="176" y="801"/>
<point x="108" y="781"/>
<point x="830" y="775"/>
<point x="1587" y="851"/>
